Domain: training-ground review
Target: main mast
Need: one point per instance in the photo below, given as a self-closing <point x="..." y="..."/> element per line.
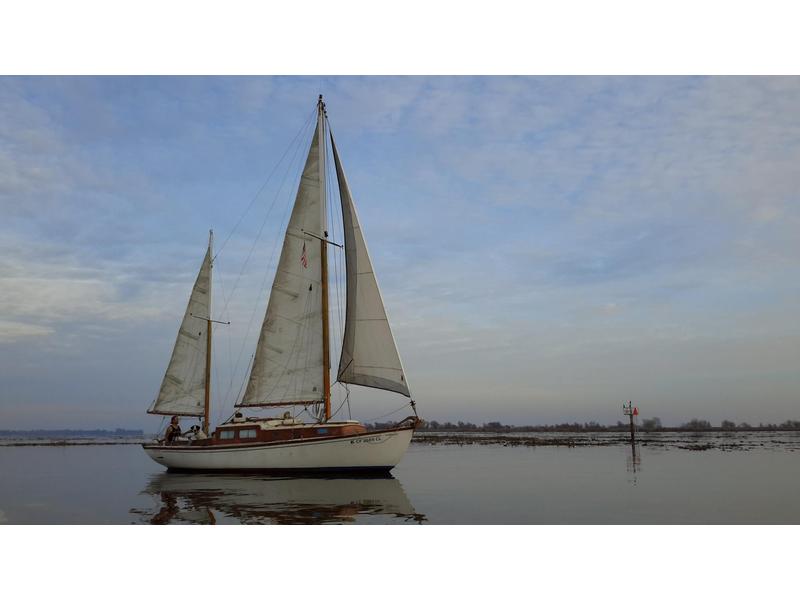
<point x="326" y="351"/>
<point x="207" y="404"/>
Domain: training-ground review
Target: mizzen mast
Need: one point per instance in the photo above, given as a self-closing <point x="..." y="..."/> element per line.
<point x="209" y="321"/>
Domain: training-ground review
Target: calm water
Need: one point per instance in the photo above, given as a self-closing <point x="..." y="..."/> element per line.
<point x="468" y="484"/>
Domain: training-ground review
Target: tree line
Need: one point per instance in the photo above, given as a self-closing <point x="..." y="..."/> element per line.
<point x="71" y="433"/>
<point x="652" y="424"/>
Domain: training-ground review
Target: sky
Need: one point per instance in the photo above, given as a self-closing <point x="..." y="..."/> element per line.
<point x="547" y="247"/>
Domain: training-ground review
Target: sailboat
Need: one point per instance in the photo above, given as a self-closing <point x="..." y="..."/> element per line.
<point x="291" y="364"/>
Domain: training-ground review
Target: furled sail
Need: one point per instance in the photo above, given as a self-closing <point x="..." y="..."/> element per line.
<point x="183" y="389"/>
<point x="288" y="366"/>
<point x="369" y="354"/>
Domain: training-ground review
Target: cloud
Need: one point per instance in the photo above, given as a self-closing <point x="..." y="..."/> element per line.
<point x="12" y="331"/>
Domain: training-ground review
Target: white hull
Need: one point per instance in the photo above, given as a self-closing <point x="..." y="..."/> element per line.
<point x="376" y="451"/>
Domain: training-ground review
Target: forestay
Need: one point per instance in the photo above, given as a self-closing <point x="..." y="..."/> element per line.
<point x="288" y="367"/>
<point x="369" y="353"/>
<point x="183" y="388"/>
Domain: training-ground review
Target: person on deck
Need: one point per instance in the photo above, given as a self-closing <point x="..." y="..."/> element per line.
<point x="173" y="430"/>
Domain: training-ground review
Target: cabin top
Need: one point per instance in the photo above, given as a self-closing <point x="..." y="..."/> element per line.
<point x="279" y="422"/>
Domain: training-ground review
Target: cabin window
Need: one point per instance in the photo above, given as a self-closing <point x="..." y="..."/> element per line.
<point x="247" y="433"/>
<point x="322" y="431"/>
<point x="227" y="434"/>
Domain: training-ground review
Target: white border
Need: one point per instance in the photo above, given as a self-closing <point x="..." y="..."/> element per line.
<point x="411" y="37"/>
<point x="90" y="562"/>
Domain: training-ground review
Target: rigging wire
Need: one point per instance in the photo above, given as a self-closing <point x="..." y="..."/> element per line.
<point x="226" y="300"/>
<point x="330" y="235"/>
<point x="302" y="331"/>
<point x="269" y="265"/>
<point x="341" y="273"/>
<point x="306" y="336"/>
<point x="373" y="419"/>
<point x="334" y="226"/>
<point x="267" y="272"/>
<point x="263" y="185"/>
<point x="341" y="292"/>
<point x="263" y="224"/>
<point x="229" y="336"/>
<point x="244" y="379"/>
<point x="345" y="400"/>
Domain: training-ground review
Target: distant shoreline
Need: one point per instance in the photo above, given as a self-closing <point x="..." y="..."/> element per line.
<point x="55" y="443"/>
<point x="650" y="425"/>
<point x="72" y="437"/>
<point x="70" y="433"/>
<point x="678" y="439"/>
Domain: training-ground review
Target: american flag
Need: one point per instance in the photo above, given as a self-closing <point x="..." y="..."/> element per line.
<point x="303" y="257"/>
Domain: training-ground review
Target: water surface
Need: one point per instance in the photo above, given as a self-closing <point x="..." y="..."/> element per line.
<point x="439" y="483"/>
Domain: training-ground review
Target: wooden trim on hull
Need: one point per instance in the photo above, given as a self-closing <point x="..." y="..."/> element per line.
<point x="366" y="471"/>
<point x="288" y="403"/>
<point x="251" y="445"/>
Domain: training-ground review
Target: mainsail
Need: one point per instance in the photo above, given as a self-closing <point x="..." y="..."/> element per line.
<point x="369" y="355"/>
<point x="184" y="385"/>
<point x="289" y="366"/>
<point x="288" y="363"/>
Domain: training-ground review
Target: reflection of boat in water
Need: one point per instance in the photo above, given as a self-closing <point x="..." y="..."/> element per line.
<point x="251" y="499"/>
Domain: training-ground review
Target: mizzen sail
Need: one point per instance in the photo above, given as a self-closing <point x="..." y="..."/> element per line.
<point x="183" y="388"/>
<point x="288" y="363"/>
<point x="369" y="354"/>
